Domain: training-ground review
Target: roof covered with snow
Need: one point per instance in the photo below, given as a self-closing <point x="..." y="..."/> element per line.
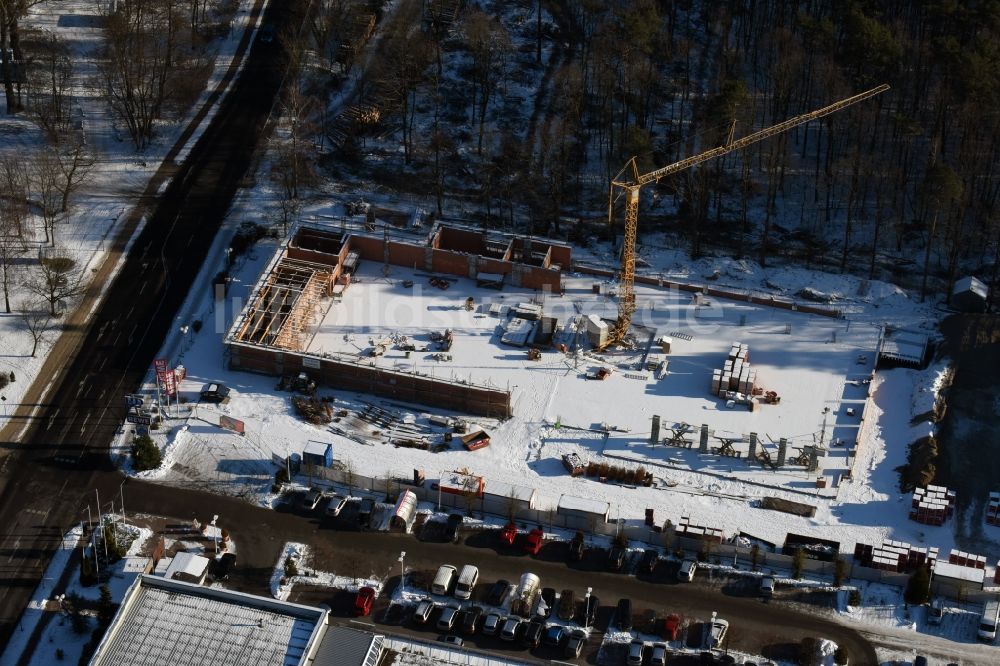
<point x="583" y="505"/>
<point x="905" y="346"/>
<point x="504" y="489"/>
<point x="944" y="569"/>
<point x="971" y="285"/>
<point x="171" y="622"/>
<point x="187" y="567"/>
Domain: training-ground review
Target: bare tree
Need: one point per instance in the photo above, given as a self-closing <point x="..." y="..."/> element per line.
<point x="75" y="164"/>
<point x="139" y="43"/>
<point x="49" y="80"/>
<point x="407" y="53"/>
<point x="14" y="188"/>
<point x="45" y="176"/>
<point x="490" y="45"/>
<point x="11" y="246"/>
<point x="37" y="321"/>
<point x="55" y="280"/>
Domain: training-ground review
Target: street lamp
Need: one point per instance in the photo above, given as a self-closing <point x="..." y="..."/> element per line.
<point x="121" y="494"/>
<point x="586" y="608"/>
<point x="215" y="534"/>
<point x="402" y="572"/>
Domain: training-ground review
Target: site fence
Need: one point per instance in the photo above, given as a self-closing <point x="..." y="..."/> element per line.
<point x="730" y="554"/>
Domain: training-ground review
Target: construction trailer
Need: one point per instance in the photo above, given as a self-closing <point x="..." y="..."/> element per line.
<point x="581" y="512"/>
<point x="405" y="511"/>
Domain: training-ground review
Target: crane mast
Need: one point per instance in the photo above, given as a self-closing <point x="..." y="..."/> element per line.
<point x="632" y="187"/>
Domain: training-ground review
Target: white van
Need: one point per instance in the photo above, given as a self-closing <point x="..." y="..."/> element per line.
<point x="686" y="573"/>
<point x="444" y="578"/>
<point x="991" y="618"/>
<point x="467" y="580"/>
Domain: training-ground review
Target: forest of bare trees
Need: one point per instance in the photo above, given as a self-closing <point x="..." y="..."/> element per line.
<point x="904" y="186"/>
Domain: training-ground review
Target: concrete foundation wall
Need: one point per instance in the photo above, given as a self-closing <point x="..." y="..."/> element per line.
<point x="363" y="378"/>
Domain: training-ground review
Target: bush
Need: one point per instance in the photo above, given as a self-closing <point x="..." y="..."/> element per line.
<point x="77" y="620"/>
<point x="798" y="563"/>
<point x="145" y="453"/>
<point x="918" y="587"/>
<point x="854" y="598"/>
<point x="839" y="572"/>
<point x="3" y="380"/>
<point x="87" y="577"/>
<point x="291" y="569"/>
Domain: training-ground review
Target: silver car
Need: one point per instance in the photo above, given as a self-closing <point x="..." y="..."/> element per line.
<point x="447" y="619"/>
<point x="659" y="656"/>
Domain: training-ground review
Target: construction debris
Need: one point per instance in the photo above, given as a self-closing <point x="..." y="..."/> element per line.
<point x="313" y="410"/>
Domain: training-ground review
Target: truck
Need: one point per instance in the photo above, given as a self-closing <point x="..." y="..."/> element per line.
<point x="988" y="624"/>
<point x="524" y="595"/>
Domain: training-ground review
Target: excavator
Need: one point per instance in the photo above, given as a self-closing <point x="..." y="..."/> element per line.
<point x="630" y="182"/>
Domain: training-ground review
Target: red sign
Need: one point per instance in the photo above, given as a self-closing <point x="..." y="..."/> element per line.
<point x="231" y="424"/>
<point x="165" y="376"/>
<point x="161" y="365"/>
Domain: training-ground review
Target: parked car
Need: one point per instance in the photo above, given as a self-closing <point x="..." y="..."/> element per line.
<point x="717" y="633"/>
<point x="452" y="527"/>
<point x="636" y="650"/>
<point x="492" y="624"/>
<point x="671" y="627"/>
<point x="469" y="619"/>
<point x="365" y="511"/>
<point x="533" y="542"/>
<point x="498" y="593"/>
<point x="508" y="534"/>
<point x="311" y="499"/>
<point x="590" y="607"/>
<point x="533" y="633"/>
<point x="447" y="618"/>
<point x="214" y="392"/>
<point x="576" y="547"/>
<point x="336" y="505"/>
<point x="935" y="612"/>
<point x="687" y="571"/>
<point x="363" y="601"/>
<point x="659" y="655"/>
<point x="467" y="580"/>
<point x="623" y="614"/>
<point x="512" y="628"/>
<point x="648" y="561"/>
<point x="616" y="558"/>
<point x="548" y="602"/>
<point x="767" y="586"/>
<point x="423" y="611"/>
<point x="444" y="579"/>
<point x="554" y="635"/>
<point x="567" y="605"/>
<point x="574" y="644"/>
<point x="224" y="566"/>
<point x="452" y="640"/>
<point x="920" y="660"/>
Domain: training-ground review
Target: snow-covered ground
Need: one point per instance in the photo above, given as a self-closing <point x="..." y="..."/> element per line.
<point x="118" y="176"/>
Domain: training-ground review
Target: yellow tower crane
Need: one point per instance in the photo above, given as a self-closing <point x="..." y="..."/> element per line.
<point x="632" y="187"/>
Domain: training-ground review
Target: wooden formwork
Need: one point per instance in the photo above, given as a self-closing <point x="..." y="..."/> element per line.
<point x="278" y="312"/>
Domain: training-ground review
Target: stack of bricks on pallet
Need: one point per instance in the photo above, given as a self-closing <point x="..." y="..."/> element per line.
<point x="993" y="510"/>
<point x="736" y="374"/>
<point x="932" y="505"/>
<point x="964" y="559"/>
<point x="686" y="529"/>
<point x="894" y="556"/>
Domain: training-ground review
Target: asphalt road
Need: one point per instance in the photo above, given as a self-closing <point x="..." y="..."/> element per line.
<point x="50" y="474"/>
<point x="260" y="534"/>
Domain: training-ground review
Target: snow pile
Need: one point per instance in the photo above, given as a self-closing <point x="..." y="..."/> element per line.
<point x="281" y="584"/>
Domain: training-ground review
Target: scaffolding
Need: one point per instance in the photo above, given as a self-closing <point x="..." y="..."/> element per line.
<point x="285" y="304"/>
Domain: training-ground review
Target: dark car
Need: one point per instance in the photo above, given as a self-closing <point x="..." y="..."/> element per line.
<point x="470" y="618"/>
<point x="533" y="634"/>
<point x="623" y="614"/>
<point x="590" y="611"/>
<point x="365" y="511"/>
<point x="576" y="547"/>
<point x="311" y="499"/>
<point x="567" y="605"/>
<point x="616" y="559"/>
<point x="554" y="635"/>
<point x="498" y="593"/>
<point x="214" y="392"/>
<point x="224" y="565"/>
<point x="648" y="561"/>
<point x="452" y="527"/>
<point x="549" y="597"/>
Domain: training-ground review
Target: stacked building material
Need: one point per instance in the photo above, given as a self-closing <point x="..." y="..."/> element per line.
<point x="736" y="375"/>
<point x="932" y="505"/>
<point x="964" y="559"/>
<point x="894" y="556"/>
<point x="993" y="509"/>
<point x="687" y="529"/>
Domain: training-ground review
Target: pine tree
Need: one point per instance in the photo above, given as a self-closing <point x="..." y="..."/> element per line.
<point x="105" y="607"/>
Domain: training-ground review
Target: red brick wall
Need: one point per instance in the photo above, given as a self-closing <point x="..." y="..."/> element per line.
<point x="405" y="254"/>
<point x="312" y="255"/>
<point x="451" y="263"/>
<point x="461" y="240"/>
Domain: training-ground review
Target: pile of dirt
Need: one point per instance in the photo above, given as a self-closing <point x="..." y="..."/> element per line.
<point x="788" y="506"/>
